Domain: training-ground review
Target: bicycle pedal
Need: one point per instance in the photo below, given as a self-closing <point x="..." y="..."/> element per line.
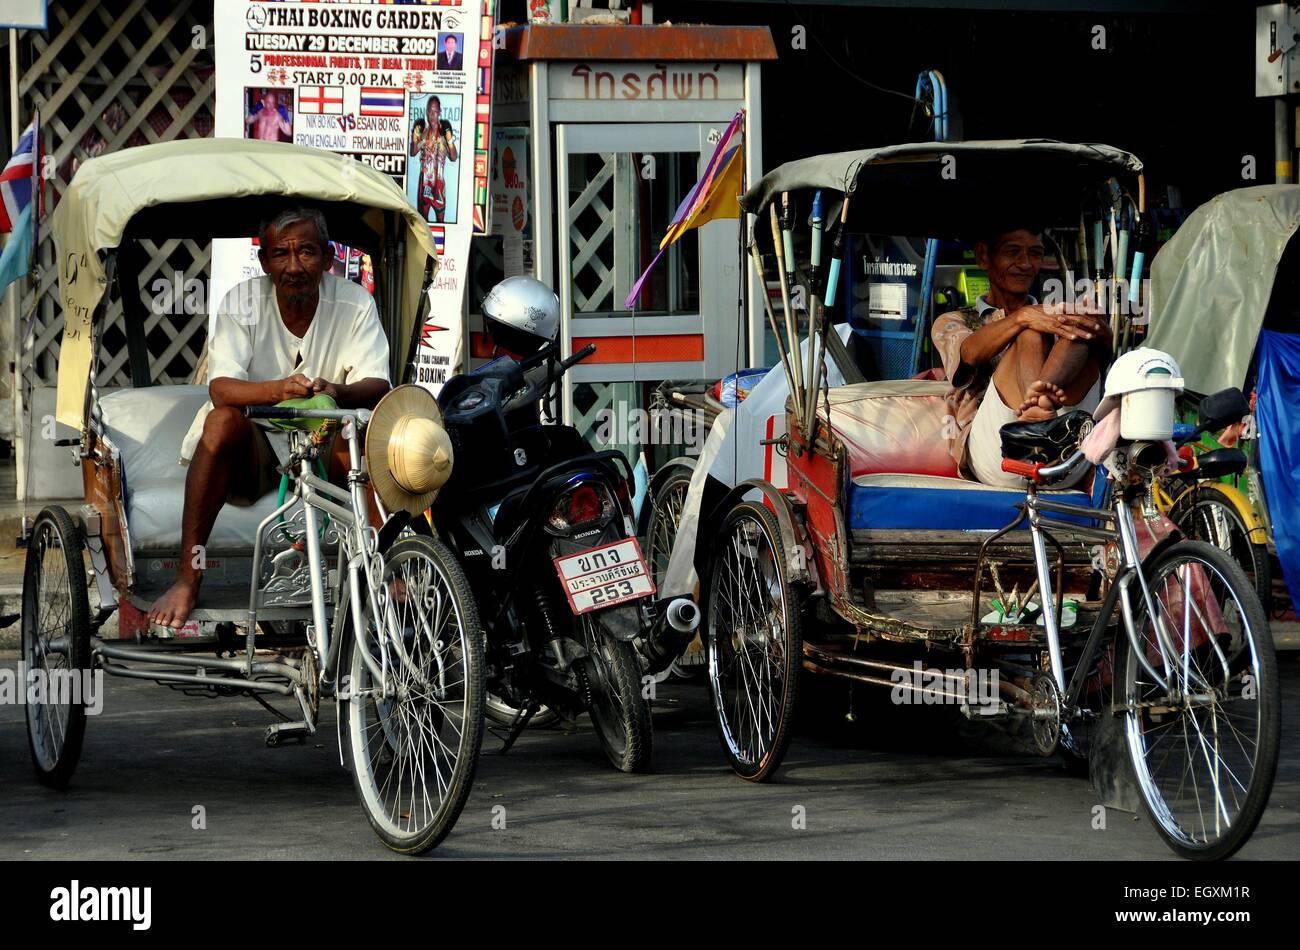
<point x="280" y="731"/>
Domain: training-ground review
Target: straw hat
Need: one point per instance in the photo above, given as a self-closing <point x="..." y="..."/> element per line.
<point x="408" y="452"/>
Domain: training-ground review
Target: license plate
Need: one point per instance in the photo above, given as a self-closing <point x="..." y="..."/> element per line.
<point x="604" y="576"/>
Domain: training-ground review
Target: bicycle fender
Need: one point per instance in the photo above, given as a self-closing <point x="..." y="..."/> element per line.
<point x="794" y="538"/>
<point x="1255" y="532"/>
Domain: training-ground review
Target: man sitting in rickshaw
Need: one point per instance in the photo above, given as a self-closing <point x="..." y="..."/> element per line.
<point x="1010" y="358"/>
<point x="295" y="332"/>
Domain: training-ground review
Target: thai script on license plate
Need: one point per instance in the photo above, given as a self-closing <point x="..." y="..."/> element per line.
<point x="605" y="576"/>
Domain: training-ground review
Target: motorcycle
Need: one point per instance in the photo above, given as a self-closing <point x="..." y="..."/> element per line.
<point x="544" y="528"/>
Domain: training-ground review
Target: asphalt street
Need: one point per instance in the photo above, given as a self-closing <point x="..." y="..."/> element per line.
<point x="900" y="783"/>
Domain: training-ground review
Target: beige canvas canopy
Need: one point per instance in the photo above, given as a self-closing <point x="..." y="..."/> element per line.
<point x="210" y="188"/>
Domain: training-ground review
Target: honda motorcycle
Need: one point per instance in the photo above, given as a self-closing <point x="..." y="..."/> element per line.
<point x="545" y="530"/>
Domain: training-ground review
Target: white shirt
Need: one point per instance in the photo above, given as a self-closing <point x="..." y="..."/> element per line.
<point x="344" y="342"/>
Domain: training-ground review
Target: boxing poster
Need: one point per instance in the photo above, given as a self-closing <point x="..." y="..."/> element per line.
<point x="404" y="88"/>
<point x="510" y="198"/>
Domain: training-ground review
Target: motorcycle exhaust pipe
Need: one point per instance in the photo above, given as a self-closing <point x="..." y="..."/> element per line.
<point x="673" y="629"/>
<point x="682" y="615"/>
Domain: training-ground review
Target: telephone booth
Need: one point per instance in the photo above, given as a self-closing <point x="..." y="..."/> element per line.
<point x="620" y="122"/>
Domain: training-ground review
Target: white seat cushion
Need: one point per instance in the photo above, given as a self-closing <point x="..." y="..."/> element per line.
<point x="147" y="425"/>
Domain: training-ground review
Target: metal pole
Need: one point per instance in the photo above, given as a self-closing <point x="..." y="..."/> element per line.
<point x="757" y="257"/>
<point x="791" y="326"/>
<point x="1281" y="141"/>
<point x="13" y="90"/>
<point x="13" y="300"/>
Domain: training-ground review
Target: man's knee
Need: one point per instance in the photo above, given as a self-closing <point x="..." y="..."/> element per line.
<point x="1030" y="345"/>
<point x="224" y="428"/>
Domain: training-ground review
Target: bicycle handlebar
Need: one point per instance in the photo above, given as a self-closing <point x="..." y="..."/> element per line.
<point x="288" y="412"/>
<point x="1037" y="472"/>
<point x="1029" y="470"/>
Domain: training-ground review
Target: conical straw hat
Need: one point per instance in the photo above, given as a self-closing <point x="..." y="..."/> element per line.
<point x="408" y="452"/>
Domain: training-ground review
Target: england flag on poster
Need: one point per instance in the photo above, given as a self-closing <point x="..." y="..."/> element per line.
<point x="16" y="180"/>
<point x="320" y="100"/>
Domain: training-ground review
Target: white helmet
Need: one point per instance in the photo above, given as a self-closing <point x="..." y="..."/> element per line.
<point x="1143" y="384"/>
<point x="522" y="314"/>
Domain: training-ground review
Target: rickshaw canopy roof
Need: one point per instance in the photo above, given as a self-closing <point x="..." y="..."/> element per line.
<point x="1211" y="283"/>
<point x="950" y="189"/>
<point x="211" y="188"/>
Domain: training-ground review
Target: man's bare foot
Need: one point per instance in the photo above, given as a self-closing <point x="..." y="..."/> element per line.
<point x="1043" y="395"/>
<point x="173" y="608"/>
<point x="1036" y="413"/>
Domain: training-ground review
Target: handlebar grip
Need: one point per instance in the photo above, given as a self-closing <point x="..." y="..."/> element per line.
<point x="539" y="357"/>
<point x="578" y="357"/>
<point x="1023" y="469"/>
<point x="270" y="412"/>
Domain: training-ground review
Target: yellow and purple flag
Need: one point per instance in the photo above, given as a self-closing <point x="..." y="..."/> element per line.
<point x="713" y="196"/>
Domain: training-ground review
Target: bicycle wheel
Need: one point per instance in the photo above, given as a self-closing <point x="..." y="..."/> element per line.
<point x="665" y="517"/>
<point x="754" y="644"/>
<point x="1205" y="513"/>
<point x="413" y="737"/>
<point x="56" y="645"/>
<point x="1204" y="749"/>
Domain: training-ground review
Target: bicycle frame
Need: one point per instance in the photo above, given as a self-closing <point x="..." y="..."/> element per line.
<point x="357" y="547"/>
<point x="1040" y="510"/>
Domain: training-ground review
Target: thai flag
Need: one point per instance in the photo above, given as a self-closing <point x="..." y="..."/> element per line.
<point x="16" y="180"/>
<point x="439" y="236"/>
<point x="380" y="101"/>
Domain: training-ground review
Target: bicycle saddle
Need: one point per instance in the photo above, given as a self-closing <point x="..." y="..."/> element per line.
<point x="1048" y="441"/>
<point x="1216" y="464"/>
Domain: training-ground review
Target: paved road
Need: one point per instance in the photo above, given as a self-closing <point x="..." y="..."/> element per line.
<point x="902" y="783"/>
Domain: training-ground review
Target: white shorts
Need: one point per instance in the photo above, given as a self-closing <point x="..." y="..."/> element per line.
<point x="984" y="445"/>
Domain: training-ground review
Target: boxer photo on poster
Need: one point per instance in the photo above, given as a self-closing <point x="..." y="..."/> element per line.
<point x="430" y="183"/>
<point x="268" y="114"/>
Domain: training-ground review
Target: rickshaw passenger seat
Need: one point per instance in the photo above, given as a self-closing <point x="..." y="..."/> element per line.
<point x="147" y="426"/>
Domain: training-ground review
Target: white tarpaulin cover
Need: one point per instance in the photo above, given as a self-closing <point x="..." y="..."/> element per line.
<point x="732" y="454"/>
<point x="1210" y="284"/>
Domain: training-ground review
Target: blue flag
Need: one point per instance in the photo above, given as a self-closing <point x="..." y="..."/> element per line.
<point x="17" y="257"/>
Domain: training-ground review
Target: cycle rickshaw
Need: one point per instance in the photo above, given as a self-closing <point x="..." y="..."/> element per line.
<point x="1141" y="656"/>
<point x="380" y="621"/>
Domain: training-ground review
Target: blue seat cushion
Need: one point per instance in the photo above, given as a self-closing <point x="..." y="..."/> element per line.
<point x="884" y="502"/>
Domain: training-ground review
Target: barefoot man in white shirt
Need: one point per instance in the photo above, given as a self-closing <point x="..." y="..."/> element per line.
<point x="295" y="332"/>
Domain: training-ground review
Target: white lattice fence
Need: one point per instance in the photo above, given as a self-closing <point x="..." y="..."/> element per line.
<point x="108" y="75"/>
